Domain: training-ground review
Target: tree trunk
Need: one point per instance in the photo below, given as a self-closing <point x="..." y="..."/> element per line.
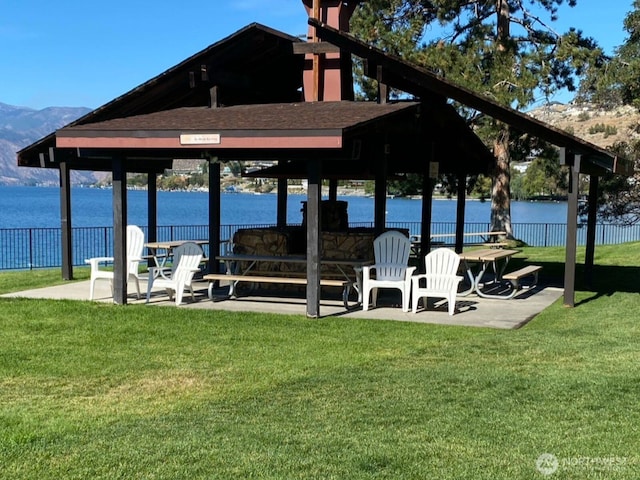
<point x="504" y="20"/>
<point x="501" y="193"/>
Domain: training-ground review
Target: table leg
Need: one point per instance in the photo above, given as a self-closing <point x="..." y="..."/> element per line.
<point x="229" y="269"/>
<point x="358" y="284"/>
<point x="233" y="267"/>
<point x="473" y="279"/>
<point x="160" y="260"/>
<point x="498" y="272"/>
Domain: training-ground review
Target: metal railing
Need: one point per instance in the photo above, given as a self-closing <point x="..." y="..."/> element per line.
<point x="30" y="248"/>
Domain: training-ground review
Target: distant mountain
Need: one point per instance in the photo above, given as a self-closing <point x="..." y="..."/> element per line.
<point x="20" y="127"/>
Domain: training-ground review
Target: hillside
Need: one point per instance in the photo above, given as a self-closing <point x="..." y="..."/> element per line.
<point x="583" y="120"/>
<point x="19" y="127"/>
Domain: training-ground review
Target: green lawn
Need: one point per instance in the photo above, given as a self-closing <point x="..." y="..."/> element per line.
<point x="98" y="391"/>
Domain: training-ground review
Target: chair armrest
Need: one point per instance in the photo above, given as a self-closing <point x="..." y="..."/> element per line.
<point x="439" y="276"/>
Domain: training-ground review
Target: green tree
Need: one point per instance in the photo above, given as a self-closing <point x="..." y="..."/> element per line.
<point x="410" y="185"/>
<point x="615" y="81"/>
<point x="505" y="49"/>
<point x="619" y="196"/>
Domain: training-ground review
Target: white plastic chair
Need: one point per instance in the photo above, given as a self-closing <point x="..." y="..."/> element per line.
<point x="135" y="247"/>
<point x="391" y="253"/>
<point x="440" y="279"/>
<point x="185" y="263"/>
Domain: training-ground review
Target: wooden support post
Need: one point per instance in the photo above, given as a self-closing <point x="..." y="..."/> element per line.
<point x="333" y="189"/>
<point x="214" y="216"/>
<point x="462" y="193"/>
<point x="120" y="276"/>
<point x="427" y="205"/>
<point x="591" y="230"/>
<point x="572" y="229"/>
<point x="281" y="219"/>
<point x="314" y="195"/>
<point x="383" y="90"/>
<point x="152" y="211"/>
<point x="65" y="222"/>
<point x="380" y="191"/>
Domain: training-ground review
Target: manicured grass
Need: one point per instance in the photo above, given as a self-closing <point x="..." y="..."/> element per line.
<point x="19" y="280"/>
<point x="98" y="391"/>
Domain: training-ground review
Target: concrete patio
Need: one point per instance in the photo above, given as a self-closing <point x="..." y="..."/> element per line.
<point x="471" y="310"/>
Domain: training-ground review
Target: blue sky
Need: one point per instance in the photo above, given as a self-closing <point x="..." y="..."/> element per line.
<point x="84" y="54"/>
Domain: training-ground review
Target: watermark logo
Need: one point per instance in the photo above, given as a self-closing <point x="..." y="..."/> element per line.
<point x="548" y="463"/>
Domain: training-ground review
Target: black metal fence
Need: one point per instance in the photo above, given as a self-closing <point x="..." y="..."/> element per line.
<point x="30" y="248"/>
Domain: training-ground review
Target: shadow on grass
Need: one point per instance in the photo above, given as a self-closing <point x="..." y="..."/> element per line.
<point x="603" y="280"/>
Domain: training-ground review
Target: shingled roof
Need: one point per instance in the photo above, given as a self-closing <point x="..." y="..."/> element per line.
<point x="254" y="65"/>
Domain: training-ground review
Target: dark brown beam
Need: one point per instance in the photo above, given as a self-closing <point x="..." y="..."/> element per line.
<point x="65" y="222"/>
<point x="383" y="88"/>
<point x="591" y="230"/>
<point x="120" y="277"/>
<point x="573" y="162"/>
<point x="281" y="215"/>
<point x="380" y="190"/>
<point x="314" y="195"/>
<point x="152" y="210"/>
<point x="460" y="203"/>
<point x="427" y="205"/>
<point x="315" y="48"/>
<point x="214" y="216"/>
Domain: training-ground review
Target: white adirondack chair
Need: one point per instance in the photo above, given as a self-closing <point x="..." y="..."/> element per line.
<point x="440" y="279"/>
<point x="185" y="263"/>
<point x="135" y="247"/>
<point x="391" y="269"/>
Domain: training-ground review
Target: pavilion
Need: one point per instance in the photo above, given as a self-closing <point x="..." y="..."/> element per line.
<point x="262" y="94"/>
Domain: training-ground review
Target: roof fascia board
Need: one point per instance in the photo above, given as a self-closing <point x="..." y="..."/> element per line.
<point x="114" y="142"/>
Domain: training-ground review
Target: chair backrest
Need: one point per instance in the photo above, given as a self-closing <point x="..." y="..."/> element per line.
<point x="440" y="263"/>
<point x="186" y="260"/>
<point x="135" y="248"/>
<point x="391" y="252"/>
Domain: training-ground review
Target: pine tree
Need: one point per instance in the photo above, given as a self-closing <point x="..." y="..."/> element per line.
<point x="611" y="82"/>
<point x="505" y="49"/>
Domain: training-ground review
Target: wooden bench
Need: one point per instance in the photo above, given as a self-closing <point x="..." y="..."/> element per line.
<point x="234" y="279"/>
<point x="516" y="276"/>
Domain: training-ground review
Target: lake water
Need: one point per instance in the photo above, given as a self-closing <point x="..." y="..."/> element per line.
<point x="36" y="212"/>
<point x="25" y="207"/>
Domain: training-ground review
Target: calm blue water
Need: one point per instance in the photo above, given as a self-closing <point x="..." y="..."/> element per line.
<point x="23" y="207"/>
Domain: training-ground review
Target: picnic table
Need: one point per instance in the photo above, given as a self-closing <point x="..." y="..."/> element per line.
<point x="485" y="239"/>
<point x="477" y="262"/>
<point x="241" y="268"/>
<point x="160" y="252"/>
